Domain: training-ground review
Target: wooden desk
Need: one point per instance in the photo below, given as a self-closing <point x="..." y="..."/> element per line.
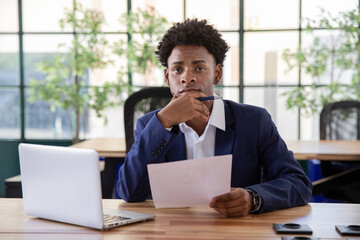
<point x="185" y="223"/>
<point x="114" y="151"/>
<point x="325" y="150"/>
<point x="303" y="150"/>
<point x="106" y="147"/>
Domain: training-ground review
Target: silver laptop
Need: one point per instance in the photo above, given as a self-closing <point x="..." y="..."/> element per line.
<point x="63" y="184"/>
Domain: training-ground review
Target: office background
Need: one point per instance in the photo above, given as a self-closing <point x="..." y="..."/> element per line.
<point x="258" y="31"/>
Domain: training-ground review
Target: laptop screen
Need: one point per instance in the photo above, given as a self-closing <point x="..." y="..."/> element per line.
<point x="61" y="184"/>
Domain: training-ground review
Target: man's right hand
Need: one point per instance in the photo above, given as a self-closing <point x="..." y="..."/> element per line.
<point x="184" y="108"/>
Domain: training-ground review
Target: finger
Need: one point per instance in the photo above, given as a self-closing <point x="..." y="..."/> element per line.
<point x="182" y="109"/>
<point x="176" y="94"/>
<point x="205" y="112"/>
<point x="206" y="109"/>
<point x="202" y="112"/>
<point x="236" y="200"/>
<point x="229" y="200"/>
<point x="230" y="204"/>
<point x="233" y="194"/>
<point x="238" y="211"/>
<point x="232" y="207"/>
<point x="201" y="116"/>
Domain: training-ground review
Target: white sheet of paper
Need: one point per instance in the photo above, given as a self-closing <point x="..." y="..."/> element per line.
<point x="189" y="182"/>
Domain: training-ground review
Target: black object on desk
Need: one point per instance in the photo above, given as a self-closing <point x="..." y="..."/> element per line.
<point x="348" y="230"/>
<point x="299" y="238"/>
<point x="108" y="177"/>
<point x="13" y="187"/>
<point x="293" y="228"/>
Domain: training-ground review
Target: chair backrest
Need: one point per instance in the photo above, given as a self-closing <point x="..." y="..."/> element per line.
<point x="340" y="121"/>
<point x="140" y="102"/>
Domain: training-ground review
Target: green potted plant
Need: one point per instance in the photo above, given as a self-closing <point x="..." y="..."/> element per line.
<point x="145" y="28"/>
<point x="65" y="74"/>
<point x="332" y="57"/>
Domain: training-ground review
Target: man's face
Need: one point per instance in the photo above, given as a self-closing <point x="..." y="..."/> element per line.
<point x="192" y="68"/>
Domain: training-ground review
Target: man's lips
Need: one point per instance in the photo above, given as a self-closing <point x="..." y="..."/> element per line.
<point x="184" y="90"/>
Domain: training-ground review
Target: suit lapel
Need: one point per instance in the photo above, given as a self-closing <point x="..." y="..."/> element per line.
<point x="225" y="139"/>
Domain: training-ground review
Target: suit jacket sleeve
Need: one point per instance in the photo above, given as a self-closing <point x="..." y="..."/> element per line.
<point x="286" y="184"/>
<point x="151" y="142"/>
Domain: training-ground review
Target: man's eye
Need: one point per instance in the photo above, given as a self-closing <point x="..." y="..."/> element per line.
<point x="199" y="69"/>
<point x="177" y="70"/>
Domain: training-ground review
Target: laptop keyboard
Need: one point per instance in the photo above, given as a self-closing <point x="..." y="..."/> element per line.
<point x="110" y="219"/>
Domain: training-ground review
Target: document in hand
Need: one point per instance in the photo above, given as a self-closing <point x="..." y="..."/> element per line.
<point x="189" y="182"/>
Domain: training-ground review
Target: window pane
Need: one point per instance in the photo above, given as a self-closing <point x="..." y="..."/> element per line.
<point x="112" y="11"/>
<point x="262" y="58"/>
<point x="311" y="8"/>
<point x="228" y="93"/>
<point x="42" y="122"/>
<point x="97" y="76"/>
<point x="44" y="15"/>
<point x="9" y="60"/>
<point x="231" y="63"/>
<point x="39" y="48"/>
<point x="286" y="120"/>
<point x="332" y="40"/>
<point x="254" y="96"/>
<point x="310" y="129"/>
<point x="162" y="7"/>
<point x="113" y="128"/>
<point x="10" y="117"/>
<point x="274" y="14"/>
<point x="154" y="75"/>
<point x="9" y="16"/>
<point x="224" y="14"/>
<point x="272" y="100"/>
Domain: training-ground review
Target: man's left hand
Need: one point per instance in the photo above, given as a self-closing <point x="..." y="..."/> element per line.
<point x="236" y="203"/>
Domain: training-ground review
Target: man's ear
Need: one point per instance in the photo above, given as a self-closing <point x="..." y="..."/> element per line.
<point x="218" y="74"/>
<point x="166" y="75"/>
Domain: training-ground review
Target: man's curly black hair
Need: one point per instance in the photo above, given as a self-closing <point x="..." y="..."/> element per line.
<point x="192" y="32"/>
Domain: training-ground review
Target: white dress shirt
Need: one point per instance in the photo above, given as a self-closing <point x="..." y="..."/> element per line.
<point x="204" y="145"/>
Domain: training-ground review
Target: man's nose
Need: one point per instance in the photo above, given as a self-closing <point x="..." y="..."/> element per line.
<point x="188" y="77"/>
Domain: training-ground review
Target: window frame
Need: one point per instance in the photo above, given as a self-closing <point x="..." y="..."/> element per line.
<point x="241" y="86"/>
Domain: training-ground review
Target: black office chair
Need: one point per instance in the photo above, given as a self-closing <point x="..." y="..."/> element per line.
<point x="139" y="103"/>
<point x="341" y="121"/>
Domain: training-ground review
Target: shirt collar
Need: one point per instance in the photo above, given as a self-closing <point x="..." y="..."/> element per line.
<point x="217" y="117"/>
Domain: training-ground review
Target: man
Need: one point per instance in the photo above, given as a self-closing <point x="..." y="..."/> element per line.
<point x="265" y="175"/>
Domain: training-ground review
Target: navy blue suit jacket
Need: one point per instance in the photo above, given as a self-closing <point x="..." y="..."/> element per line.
<point x="261" y="160"/>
